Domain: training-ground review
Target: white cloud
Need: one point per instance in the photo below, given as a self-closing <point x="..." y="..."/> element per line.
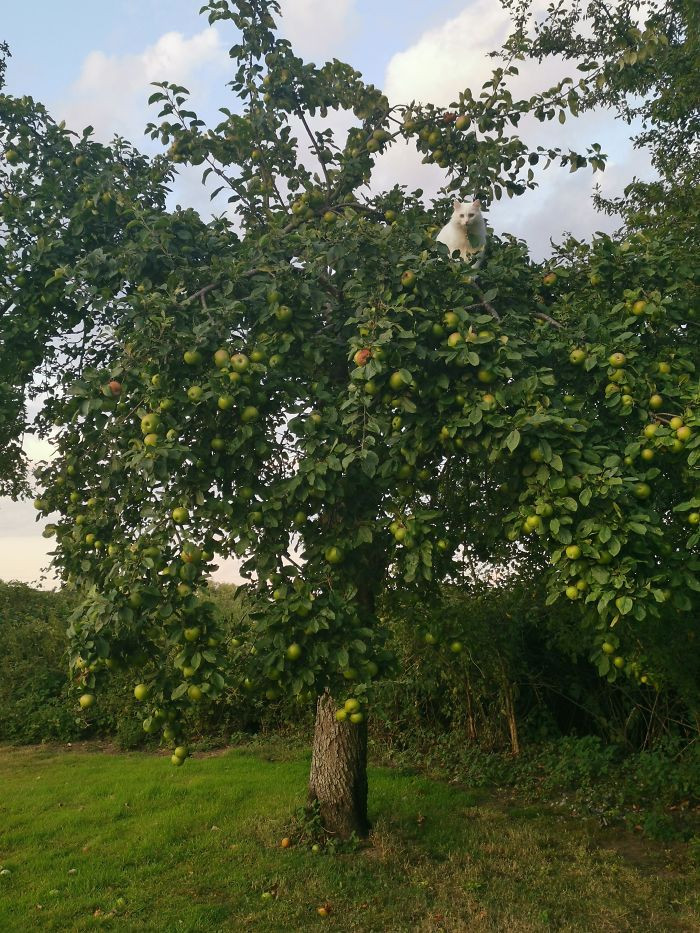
<point x="449" y="57"/>
<point x="317" y="27"/>
<point x="112" y="91"/>
<point x="24" y="551"/>
<point x="453" y="56"/>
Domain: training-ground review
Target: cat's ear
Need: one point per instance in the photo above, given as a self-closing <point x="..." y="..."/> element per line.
<point x="477" y="205"/>
<point x="456" y="205"/>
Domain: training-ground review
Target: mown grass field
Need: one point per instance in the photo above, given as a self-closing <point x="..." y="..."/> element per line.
<point x="126" y="842"/>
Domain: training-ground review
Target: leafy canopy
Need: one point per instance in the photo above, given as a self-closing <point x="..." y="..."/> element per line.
<point x="321" y="392"/>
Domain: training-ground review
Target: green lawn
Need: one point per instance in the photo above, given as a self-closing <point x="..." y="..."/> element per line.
<point x="127" y="842"/>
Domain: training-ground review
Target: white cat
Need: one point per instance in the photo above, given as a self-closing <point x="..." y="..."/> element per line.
<point x="465" y="231"/>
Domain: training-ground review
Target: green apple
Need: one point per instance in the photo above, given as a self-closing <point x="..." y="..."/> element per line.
<point x="294" y="652"/>
<point x="351" y="705"/>
<point x="577" y="356"/>
<point x="192" y="633"/>
<point x="240" y="362"/>
<point x="86" y="700"/>
<point x="456" y="647"/>
<point x="194" y="693"/>
<point x="334" y="555"/>
<point x="617" y="360"/>
<point x="140" y="691"/>
<point x="150" y="423"/>
<point x="608" y="648"/>
<point x="180" y="515"/>
<point x="192" y="357"/>
<point x="573" y="552"/>
<point x="249" y="413"/>
<point x="194" y="393"/>
<point x="221" y="358"/>
<point x="285" y="314"/>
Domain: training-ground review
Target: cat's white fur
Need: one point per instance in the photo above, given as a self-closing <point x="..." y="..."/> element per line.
<point x="465" y="231"/>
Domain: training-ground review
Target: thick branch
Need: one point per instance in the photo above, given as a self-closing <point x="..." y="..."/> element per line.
<point x="541" y="316"/>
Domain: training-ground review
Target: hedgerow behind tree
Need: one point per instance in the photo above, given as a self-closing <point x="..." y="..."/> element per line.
<point x="323" y="393"/>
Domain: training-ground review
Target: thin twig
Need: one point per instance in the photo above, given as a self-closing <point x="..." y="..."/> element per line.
<point x="314" y="143"/>
<point x="489" y="307"/>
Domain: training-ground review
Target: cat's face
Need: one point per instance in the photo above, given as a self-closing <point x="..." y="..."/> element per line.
<point x="465" y="212"/>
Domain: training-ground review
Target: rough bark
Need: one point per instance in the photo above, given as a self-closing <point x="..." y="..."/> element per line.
<point x="471" y="719"/>
<point x="338" y="778"/>
<point x="510" y="716"/>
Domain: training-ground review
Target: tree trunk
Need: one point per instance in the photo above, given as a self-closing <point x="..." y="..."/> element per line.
<point x="338" y="778"/>
<point x="471" y="720"/>
<point x="510" y="716"/>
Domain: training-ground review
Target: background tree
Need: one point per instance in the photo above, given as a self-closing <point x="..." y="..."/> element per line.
<point x="332" y="400"/>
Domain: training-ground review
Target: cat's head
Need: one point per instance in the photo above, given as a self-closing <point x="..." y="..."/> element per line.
<point x="466" y="212"/>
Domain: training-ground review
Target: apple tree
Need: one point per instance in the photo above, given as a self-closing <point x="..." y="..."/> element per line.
<point x="316" y="389"/>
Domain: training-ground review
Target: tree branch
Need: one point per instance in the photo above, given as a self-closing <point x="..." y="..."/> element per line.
<point x="314" y="143"/>
<point x="485" y="304"/>
<point x="541" y="316"/>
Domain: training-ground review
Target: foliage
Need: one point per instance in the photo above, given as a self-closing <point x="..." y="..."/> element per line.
<point x="638" y="59"/>
<point x="37" y="697"/>
<point x="325" y="395"/>
<point x="34" y="703"/>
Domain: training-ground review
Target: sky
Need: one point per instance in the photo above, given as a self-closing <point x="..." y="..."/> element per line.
<point x="92" y="63"/>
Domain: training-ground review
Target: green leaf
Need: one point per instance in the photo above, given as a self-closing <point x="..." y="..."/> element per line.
<point x="513" y="440"/>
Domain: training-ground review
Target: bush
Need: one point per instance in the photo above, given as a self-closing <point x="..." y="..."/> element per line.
<point x="34" y="703"/>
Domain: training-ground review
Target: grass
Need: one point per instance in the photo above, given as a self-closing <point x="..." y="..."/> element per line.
<point x="126" y="842"/>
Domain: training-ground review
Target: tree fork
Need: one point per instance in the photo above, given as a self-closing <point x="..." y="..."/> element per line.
<point x="338" y="777"/>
